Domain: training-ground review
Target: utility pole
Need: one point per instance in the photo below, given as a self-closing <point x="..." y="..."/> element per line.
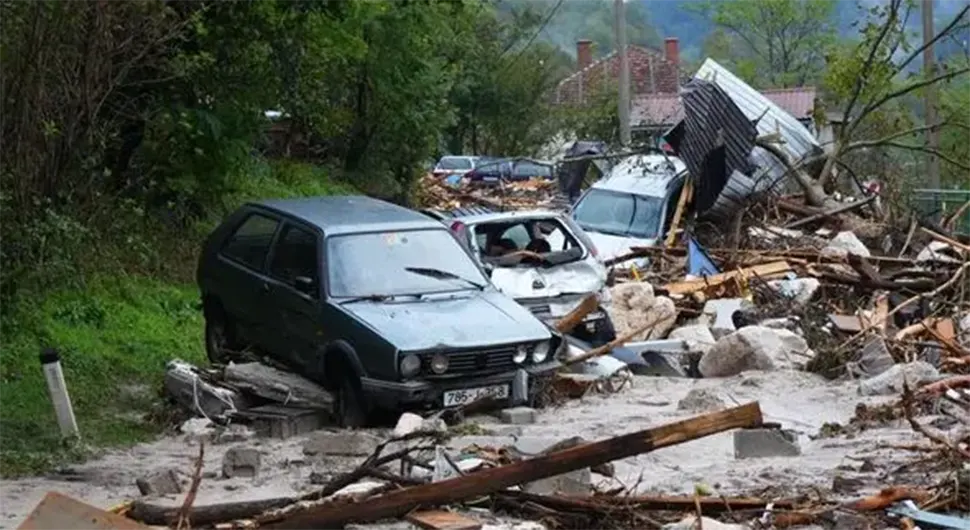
<point x="624" y="99"/>
<point x="932" y="136"/>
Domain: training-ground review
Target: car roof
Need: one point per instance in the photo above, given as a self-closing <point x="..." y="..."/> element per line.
<point x="467" y="157"/>
<point x="342" y="214"/>
<point x="642" y="175"/>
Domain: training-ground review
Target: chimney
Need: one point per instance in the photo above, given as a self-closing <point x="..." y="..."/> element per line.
<point x="584" y="53"/>
<point x="672" y="51"/>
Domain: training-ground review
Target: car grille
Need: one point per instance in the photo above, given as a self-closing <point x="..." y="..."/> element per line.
<point x="474" y="361"/>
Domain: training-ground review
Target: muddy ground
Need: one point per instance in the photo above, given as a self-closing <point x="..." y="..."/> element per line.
<point x="799" y="401"/>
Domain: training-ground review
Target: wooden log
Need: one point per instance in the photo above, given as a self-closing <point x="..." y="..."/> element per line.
<point x="576" y="316"/>
<point x="400" y="502"/>
<point x="278" y="385"/>
<point x="619" y="341"/>
<point x="709" y="505"/>
<point x="167" y="514"/>
<point x="690" y="286"/>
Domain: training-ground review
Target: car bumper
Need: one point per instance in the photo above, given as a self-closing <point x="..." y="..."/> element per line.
<point x="394" y="394"/>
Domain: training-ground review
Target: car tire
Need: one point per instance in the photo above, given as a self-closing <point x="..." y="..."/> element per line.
<point x="219" y="342"/>
<point x="351" y="408"/>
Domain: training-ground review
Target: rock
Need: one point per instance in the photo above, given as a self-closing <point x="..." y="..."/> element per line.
<point x="198" y="429"/>
<point x="938" y="251"/>
<point x="849" y="485"/>
<point x="518" y="415"/>
<point x="753" y="348"/>
<point x="241" y="462"/>
<point x="408" y="422"/>
<point x="163" y="482"/>
<point x="873" y="359"/>
<point x="722" y="311"/>
<point x="842" y="520"/>
<point x="799" y="290"/>
<point x="235" y="433"/>
<point x="698" y="337"/>
<point x="891" y="381"/>
<point x="573" y="483"/>
<point x="700" y="400"/>
<point x="634" y="304"/>
<point x="690" y="523"/>
<point x="762" y="443"/>
<point x="845" y="243"/>
<point x="340" y="443"/>
<point x="789" y="323"/>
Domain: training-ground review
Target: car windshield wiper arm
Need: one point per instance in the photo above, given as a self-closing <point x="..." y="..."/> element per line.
<point x="370" y="297"/>
<point x="443" y="275"/>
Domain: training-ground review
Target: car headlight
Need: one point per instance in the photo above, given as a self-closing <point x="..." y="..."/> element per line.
<point x="540" y="352"/>
<point x="520" y="354"/>
<point x="439" y="363"/>
<point x="410" y="365"/>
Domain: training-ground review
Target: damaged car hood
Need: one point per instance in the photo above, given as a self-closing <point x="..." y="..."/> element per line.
<point x="578" y="277"/>
<point x="465" y="320"/>
<point x="610" y="246"/>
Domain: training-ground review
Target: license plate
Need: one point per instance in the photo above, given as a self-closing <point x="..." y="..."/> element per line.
<point x="468" y="395"/>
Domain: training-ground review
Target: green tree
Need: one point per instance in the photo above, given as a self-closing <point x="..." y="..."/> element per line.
<point x="781" y="42"/>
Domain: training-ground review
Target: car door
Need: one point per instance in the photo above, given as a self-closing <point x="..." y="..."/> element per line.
<point x="295" y="274"/>
<point x="243" y="278"/>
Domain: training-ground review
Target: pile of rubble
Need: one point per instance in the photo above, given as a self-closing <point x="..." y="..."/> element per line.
<point x="505" y="195"/>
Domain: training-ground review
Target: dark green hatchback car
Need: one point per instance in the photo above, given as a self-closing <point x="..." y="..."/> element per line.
<point x="378" y="303"/>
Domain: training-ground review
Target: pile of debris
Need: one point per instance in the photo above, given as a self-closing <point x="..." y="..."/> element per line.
<point x="502" y="196"/>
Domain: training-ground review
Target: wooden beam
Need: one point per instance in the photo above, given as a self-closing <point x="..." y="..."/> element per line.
<point x="458" y="489"/>
<point x="690" y="286"/>
<point x="576" y="316"/>
<point x="685" y="195"/>
<point x="442" y="520"/>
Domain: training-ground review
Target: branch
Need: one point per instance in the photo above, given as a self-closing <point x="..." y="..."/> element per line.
<point x="861" y="80"/>
<point x="930" y="150"/>
<point x="906" y="90"/>
<point x="887" y="139"/>
<point x="918" y="51"/>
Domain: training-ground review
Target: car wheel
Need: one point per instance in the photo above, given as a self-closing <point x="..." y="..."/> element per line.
<point x="218" y="343"/>
<point x="351" y="408"/>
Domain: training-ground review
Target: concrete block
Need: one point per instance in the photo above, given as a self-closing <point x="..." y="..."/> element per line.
<point x="340" y="443"/>
<point x="518" y="415"/>
<point x="235" y="433"/>
<point x="281" y="422"/>
<point x="763" y="443"/>
<point x="572" y="483"/>
<point x="162" y="482"/>
<point x="241" y="462"/>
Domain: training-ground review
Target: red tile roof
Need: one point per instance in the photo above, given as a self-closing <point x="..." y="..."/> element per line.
<point x="666" y="109"/>
<point x="650" y="72"/>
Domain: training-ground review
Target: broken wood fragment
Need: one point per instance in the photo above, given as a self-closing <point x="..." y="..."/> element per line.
<point x="709" y="505"/>
<point x="442" y="520"/>
<point x="400" y="502"/>
<point x="887" y="497"/>
<point x="619" y="341"/>
<point x="57" y="511"/>
<point x="765" y="270"/>
<point x="576" y="316"/>
<point x="157" y="514"/>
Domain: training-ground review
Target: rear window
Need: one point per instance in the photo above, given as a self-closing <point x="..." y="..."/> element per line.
<point x="619" y="214"/>
<point x="454" y="163"/>
<point x="249" y="244"/>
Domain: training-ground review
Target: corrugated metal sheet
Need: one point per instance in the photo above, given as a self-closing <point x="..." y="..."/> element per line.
<point x="799" y="142"/>
<point x="664" y="110"/>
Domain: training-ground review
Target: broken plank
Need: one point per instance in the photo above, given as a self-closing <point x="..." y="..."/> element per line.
<point x="690" y="286"/>
<point x="442" y="520"/>
<point x="708" y="505"/>
<point x="58" y="511"/>
<point x="576" y="316"/>
<point x="400" y="502"/>
<point x="277" y="385"/>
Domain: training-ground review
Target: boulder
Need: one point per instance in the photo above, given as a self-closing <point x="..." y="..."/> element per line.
<point x="872" y="360"/>
<point x="634" y="304"/>
<point x="845" y="243"/>
<point x="697" y="337"/>
<point x="891" y="381"/>
<point x="753" y="348"/>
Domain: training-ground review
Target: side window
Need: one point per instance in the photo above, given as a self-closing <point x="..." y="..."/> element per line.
<point x="250" y="242"/>
<point x="295" y="255"/>
<point x="519" y="234"/>
<point x="556" y="236"/>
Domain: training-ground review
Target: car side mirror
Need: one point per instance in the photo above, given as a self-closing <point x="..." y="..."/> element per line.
<point x="305" y="285"/>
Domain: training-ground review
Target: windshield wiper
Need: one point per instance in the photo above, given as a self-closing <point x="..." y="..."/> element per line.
<point x="443" y="275"/>
<point x="369" y="297"/>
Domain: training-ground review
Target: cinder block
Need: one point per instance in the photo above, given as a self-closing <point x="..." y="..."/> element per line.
<point x="240" y="462"/>
<point x="762" y="443"/>
<point x="518" y="415"/>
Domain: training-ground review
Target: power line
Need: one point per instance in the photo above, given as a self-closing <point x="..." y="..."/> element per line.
<point x="552" y="13"/>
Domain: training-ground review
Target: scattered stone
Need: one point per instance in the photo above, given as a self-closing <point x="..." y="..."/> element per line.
<point x="873" y="359"/>
<point x="340" y="443"/>
<point x="240" y="462"/>
<point x="753" y="348"/>
<point x="635" y="303"/>
<point x="848" y="485"/>
<point x="762" y="443"/>
<point x="845" y="243"/>
<point x="697" y="337"/>
<point x="938" y="251"/>
<point x="891" y="381"/>
<point x="235" y="433"/>
<point x="690" y="523"/>
<point x="700" y="400"/>
<point x="163" y="482"/>
<point x="577" y="482"/>
<point x="518" y="415"/>
<point x="799" y="290"/>
<point x="408" y="422"/>
<point x="198" y="429"/>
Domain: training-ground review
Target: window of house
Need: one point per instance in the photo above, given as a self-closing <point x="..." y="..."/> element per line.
<point x="295" y="255"/>
<point x="249" y="244"/>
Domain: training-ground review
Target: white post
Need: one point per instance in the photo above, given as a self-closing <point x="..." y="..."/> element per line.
<point x="50" y="360"/>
